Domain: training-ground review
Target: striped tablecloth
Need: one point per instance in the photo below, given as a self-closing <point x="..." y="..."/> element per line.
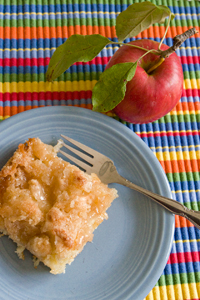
<point x="30" y="31"/>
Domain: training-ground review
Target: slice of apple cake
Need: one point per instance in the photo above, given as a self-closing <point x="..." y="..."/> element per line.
<point x="49" y="206"/>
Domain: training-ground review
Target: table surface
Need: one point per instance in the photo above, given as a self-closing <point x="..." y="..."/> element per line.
<point x="30" y="31"/>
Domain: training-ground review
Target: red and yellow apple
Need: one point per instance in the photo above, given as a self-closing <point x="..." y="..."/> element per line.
<point x="149" y="96"/>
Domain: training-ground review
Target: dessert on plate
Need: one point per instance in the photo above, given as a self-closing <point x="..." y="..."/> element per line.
<point x="49" y="206"/>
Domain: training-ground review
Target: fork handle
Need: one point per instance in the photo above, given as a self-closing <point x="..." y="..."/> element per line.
<point x="170" y="204"/>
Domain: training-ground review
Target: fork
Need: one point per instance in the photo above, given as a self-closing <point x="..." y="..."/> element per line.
<point x="92" y="161"/>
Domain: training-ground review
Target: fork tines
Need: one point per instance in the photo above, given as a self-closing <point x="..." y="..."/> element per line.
<point x="83" y="147"/>
<point x="87" y="156"/>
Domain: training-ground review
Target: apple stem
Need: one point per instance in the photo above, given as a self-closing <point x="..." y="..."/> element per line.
<point x="157" y="64"/>
<point x="177" y="41"/>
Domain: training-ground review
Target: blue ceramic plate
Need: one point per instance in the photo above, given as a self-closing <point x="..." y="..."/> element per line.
<point x="129" y="250"/>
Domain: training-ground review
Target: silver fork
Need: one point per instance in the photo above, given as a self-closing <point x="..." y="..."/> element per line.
<point x="104" y="168"/>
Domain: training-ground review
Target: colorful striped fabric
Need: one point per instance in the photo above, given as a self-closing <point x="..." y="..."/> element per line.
<point x="30" y="31"/>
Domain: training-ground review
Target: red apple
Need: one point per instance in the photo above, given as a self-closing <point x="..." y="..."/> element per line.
<point x="148" y="96"/>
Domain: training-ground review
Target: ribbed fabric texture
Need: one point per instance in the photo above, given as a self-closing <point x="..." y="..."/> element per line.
<point x="31" y="30"/>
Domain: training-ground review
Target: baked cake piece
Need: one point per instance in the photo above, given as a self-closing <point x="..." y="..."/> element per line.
<point x="49" y="206"/>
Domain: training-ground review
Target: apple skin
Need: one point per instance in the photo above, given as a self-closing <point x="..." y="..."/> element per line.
<point x="148" y="96"/>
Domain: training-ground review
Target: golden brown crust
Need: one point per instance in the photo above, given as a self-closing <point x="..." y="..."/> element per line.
<point x="49" y="206"/>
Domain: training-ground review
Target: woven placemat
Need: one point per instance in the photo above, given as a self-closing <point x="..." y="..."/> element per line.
<point x="31" y="30"/>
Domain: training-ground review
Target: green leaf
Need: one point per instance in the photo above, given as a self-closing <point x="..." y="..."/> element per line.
<point x="77" y="48"/>
<point x="110" y="90"/>
<point x="138" y="17"/>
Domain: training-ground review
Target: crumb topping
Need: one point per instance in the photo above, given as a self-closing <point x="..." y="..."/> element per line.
<point x="49" y="206"/>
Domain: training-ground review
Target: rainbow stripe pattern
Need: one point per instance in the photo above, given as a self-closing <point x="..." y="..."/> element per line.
<point x="30" y="31"/>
